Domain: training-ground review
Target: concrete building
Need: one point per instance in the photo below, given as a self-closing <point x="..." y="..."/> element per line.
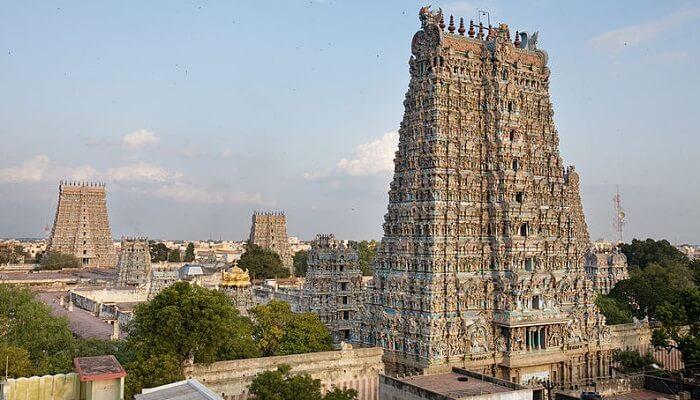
<point x="190" y="389"/>
<point x="458" y="384"/>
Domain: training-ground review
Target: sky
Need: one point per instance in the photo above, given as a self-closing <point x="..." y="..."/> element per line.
<point x="197" y="113"/>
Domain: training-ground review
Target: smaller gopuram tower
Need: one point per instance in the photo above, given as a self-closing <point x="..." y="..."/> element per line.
<point x="81" y="226"/>
<point x="134" y="266"/>
<point x="269" y="230"/>
<point x="333" y="285"/>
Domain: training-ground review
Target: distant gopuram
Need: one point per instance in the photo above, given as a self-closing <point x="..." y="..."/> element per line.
<point x="482" y="261"/>
<point x="134" y="266"/>
<point x="269" y="230"/>
<point x="81" y="226"/>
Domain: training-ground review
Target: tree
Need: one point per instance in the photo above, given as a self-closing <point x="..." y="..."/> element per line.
<point x="301" y="262"/>
<point x="174" y="255"/>
<point x="159" y="252"/>
<point x="279" y="331"/>
<point x="642" y="253"/>
<point x="189" y="252"/>
<point x="615" y="313"/>
<point x="18" y="362"/>
<point x="262" y="263"/>
<point x="190" y="321"/>
<point x="281" y="384"/>
<point x="631" y="361"/>
<point x="341" y="394"/>
<point x="54" y="260"/>
<point x="12" y="254"/>
<point x="183" y="323"/>
<point x="367" y="252"/>
<point x="680" y="325"/>
<point x="27" y="324"/>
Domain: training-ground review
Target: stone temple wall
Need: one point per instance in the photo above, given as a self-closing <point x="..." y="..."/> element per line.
<point x="358" y="369"/>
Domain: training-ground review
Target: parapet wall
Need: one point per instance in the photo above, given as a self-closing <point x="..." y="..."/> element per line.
<point x="358" y="369"/>
<point x="48" y="387"/>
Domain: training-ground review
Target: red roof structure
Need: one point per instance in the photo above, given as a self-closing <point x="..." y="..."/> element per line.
<point x="98" y="368"/>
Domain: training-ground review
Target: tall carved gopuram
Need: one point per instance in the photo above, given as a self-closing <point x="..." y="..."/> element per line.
<point x="81" y="226"/>
<point x="269" y="231"/>
<point x="482" y="261"/>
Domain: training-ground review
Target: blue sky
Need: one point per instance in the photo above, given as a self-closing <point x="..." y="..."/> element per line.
<point x="197" y="113"/>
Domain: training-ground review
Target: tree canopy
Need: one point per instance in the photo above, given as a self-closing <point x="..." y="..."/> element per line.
<point x="281" y="384"/>
<point x="301" y="262"/>
<point x="641" y="253"/>
<point x="279" y="331"/>
<point x="54" y="260"/>
<point x="11" y="254"/>
<point x="367" y="251"/>
<point x="159" y="252"/>
<point x="183" y="322"/>
<point x="262" y="263"/>
<point x="189" y="252"/>
<point x="663" y="287"/>
<point x="174" y="255"/>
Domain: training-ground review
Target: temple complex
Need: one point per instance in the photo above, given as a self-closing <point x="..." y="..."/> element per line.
<point x="236" y="284"/>
<point x="269" y="230"/>
<point x="605" y="266"/>
<point x="482" y="263"/>
<point x="134" y="266"/>
<point x="333" y="285"/>
<point x="81" y="227"/>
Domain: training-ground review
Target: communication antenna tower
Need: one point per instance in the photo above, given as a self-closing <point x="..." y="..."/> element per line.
<point x="619" y="219"/>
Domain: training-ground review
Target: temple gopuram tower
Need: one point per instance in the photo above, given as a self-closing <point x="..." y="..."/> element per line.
<point x="333" y="285"/>
<point x="269" y="230"/>
<point x="134" y="266"/>
<point x="482" y="261"/>
<point x="81" y="226"/>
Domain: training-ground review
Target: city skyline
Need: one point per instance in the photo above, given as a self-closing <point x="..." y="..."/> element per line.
<point x="194" y="128"/>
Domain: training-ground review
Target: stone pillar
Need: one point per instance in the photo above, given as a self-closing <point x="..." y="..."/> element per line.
<point x="115" y="330"/>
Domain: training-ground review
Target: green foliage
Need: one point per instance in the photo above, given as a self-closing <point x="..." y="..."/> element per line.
<point x="262" y="263"/>
<point x="367" y="252"/>
<point x="279" y="331"/>
<point x="341" y="394"/>
<point x="18" y="362"/>
<point x="174" y="255"/>
<point x="159" y="252"/>
<point x="54" y="260"/>
<point x="27" y="324"/>
<point x="632" y="361"/>
<point x="183" y="322"/>
<point x="190" y="321"/>
<point x="283" y="385"/>
<point x="615" y="313"/>
<point x="301" y="262"/>
<point x="150" y="371"/>
<point x="12" y="254"/>
<point x="189" y="252"/>
<point x="642" y="253"/>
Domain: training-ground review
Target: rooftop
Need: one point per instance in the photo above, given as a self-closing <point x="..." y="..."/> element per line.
<point x="459" y="384"/>
<point x="98" y="368"/>
<point x="190" y="389"/>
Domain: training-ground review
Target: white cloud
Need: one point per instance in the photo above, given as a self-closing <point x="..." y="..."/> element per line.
<point x="32" y="170"/>
<point x="226" y="153"/>
<point x="84" y="172"/>
<point x="196" y="194"/>
<point x="615" y="41"/>
<point x="140" y="138"/>
<point x="372" y="158"/>
<point x="141" y="172"/>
